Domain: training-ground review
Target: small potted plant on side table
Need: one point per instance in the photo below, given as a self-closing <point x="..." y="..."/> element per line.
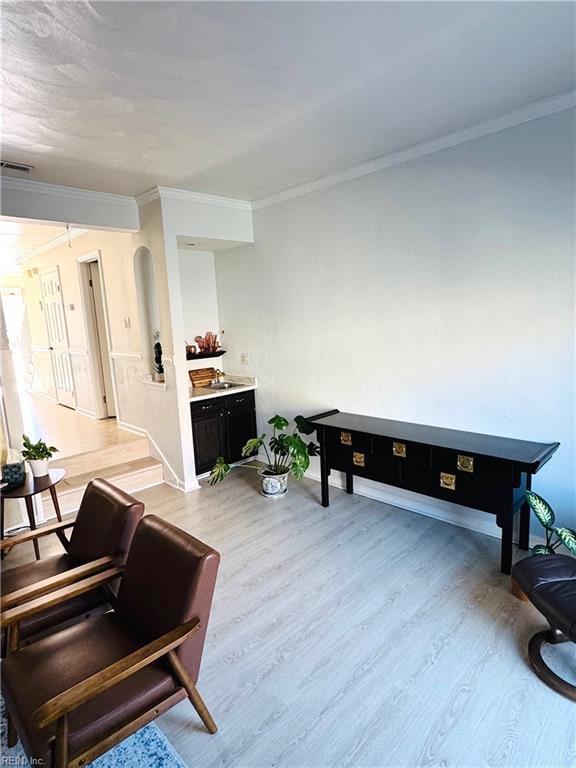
<point x="37" y="455"/>
<point x="286" y="454"/>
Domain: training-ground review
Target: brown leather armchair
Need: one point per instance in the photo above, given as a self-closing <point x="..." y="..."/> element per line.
<point x="101" y="537"/>
<point x="75" y="694"/>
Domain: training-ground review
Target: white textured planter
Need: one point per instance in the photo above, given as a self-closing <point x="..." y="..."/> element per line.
<point x="273" y="486"/>
<point x="38" y="467"/>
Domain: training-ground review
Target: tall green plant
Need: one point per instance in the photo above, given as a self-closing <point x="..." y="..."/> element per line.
<point x="285" y="451"/>
<point x="555" y="536"/>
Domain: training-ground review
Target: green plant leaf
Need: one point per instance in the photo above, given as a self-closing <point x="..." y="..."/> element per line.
<point x="297" y="471"/>
<point x="542" y="549"/>
<point x="298" y="450"/>
<point x="219" y="471"/>
<point x="299" y="466"/>
<point x="541" y="509"/>
<point x="278" y="422"/>
<point x="568" y="537"/>
<point x="278" y="445"/>
<point x="303" y="425"/>
<point x="252" y="446"/>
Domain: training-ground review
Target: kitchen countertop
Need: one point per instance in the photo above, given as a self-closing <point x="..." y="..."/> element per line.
<point x="245" y="383"/>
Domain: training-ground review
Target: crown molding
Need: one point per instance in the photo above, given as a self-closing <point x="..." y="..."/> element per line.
<point x="42" y="188"/>
<point x="62" y="239"/>
<point x="148" y="197"/>
<point x="187" y="196"/>
<point x="544" y="108"/>
<point x="538" y="109"/>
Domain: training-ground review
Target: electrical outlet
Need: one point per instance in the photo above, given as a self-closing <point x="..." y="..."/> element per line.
<point x="126" y="322"/>
<point x="244" y="358"/>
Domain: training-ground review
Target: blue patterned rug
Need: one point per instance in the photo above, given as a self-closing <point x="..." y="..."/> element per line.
<point x="147" y="748"/>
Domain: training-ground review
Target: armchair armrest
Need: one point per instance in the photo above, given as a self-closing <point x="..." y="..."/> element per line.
<point x="24" y="611"/>
<point x="68" y="700"/>
<point x="44" y="530"/>
<point x="56" y="582"/>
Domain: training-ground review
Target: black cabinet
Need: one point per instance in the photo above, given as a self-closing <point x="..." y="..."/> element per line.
<point x="209" y="433"/>
<point x="221" y="426"/>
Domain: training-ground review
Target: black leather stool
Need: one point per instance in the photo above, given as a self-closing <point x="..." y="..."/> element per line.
<point x="549" y="582"/>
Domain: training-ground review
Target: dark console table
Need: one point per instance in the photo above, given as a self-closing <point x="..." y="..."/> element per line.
<point x="479" y="471"/>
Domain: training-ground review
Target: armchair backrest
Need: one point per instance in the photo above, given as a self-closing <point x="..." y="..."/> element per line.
<point x="105" y="522"/>
<point x="169" y="579"/>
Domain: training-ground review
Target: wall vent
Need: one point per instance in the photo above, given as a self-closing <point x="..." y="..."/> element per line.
<point x="15" y="166"/>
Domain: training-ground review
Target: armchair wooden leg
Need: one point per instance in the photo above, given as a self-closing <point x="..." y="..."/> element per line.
<point x="11" y="735"/>
<point x="13" y="639"/>
<point x="61" y="743"/>
<point x="12" y="644"/>
<point x="191" y="690"/>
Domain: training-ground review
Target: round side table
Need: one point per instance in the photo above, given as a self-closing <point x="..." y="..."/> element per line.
<point x="31" y="486"/>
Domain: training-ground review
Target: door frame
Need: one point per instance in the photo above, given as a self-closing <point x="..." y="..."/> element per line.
<point x="41" y="273"/>
<point x="92" y="342"/>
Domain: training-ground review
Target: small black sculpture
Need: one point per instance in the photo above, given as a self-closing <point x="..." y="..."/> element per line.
<point x="158" y="358"/>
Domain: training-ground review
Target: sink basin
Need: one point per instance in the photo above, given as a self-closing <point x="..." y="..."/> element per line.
<point x="223" y="385"/>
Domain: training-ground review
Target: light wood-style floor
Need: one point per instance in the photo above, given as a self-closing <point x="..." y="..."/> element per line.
<point x="71" y="432"/>
<point x="359" y="635"/>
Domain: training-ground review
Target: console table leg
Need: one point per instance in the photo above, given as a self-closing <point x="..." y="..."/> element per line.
<point x="324" y="486"/>
<point x="506" y="546"/>
<point x="349" y="482"/>
<point x="324" y="470"/>
<point x="32" y="521"/>
<point x="524" y="538"/>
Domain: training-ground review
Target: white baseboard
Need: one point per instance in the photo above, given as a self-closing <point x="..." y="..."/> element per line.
<point x="42" y="395"/>
<point x="86" y="412"/>
<point x="472" y="519"/>
<point x="179" y="486"/>
<point x="175" y="481"/>
<point x="131" y="428"/>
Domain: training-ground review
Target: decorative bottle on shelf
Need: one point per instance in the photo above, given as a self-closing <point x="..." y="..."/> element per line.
<point x="158" y="366"/>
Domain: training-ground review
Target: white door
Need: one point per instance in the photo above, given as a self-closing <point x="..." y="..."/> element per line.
<point x="58" y="337"/>
<point x="103" y="346"/>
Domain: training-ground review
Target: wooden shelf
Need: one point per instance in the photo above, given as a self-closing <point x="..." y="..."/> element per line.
<point x="205" y="355"/>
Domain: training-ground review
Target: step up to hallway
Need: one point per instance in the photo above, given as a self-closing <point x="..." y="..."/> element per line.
<point x="131" y="475"/>
<point x="108" y="456"/>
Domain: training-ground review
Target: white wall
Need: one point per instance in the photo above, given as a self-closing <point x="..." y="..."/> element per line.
<point x="440" y="291"/>
<point x="199" y="297"/>
<point x="213" y="218"/>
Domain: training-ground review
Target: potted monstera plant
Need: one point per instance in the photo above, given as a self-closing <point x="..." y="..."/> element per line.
<point x="555" y="536"/>
<point x="286" y="454"/>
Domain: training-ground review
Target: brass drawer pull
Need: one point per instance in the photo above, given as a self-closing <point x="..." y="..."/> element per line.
<point x="358" y="459"/>
<point x="465" y="463"/>
<point x="399" y="449"/>
<point x="447" y="481"/>
<point x="345" y="438"/>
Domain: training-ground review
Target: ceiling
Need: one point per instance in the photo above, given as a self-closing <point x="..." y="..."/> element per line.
<point x="18" y="239"/>
<point x="246" y="99"/>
